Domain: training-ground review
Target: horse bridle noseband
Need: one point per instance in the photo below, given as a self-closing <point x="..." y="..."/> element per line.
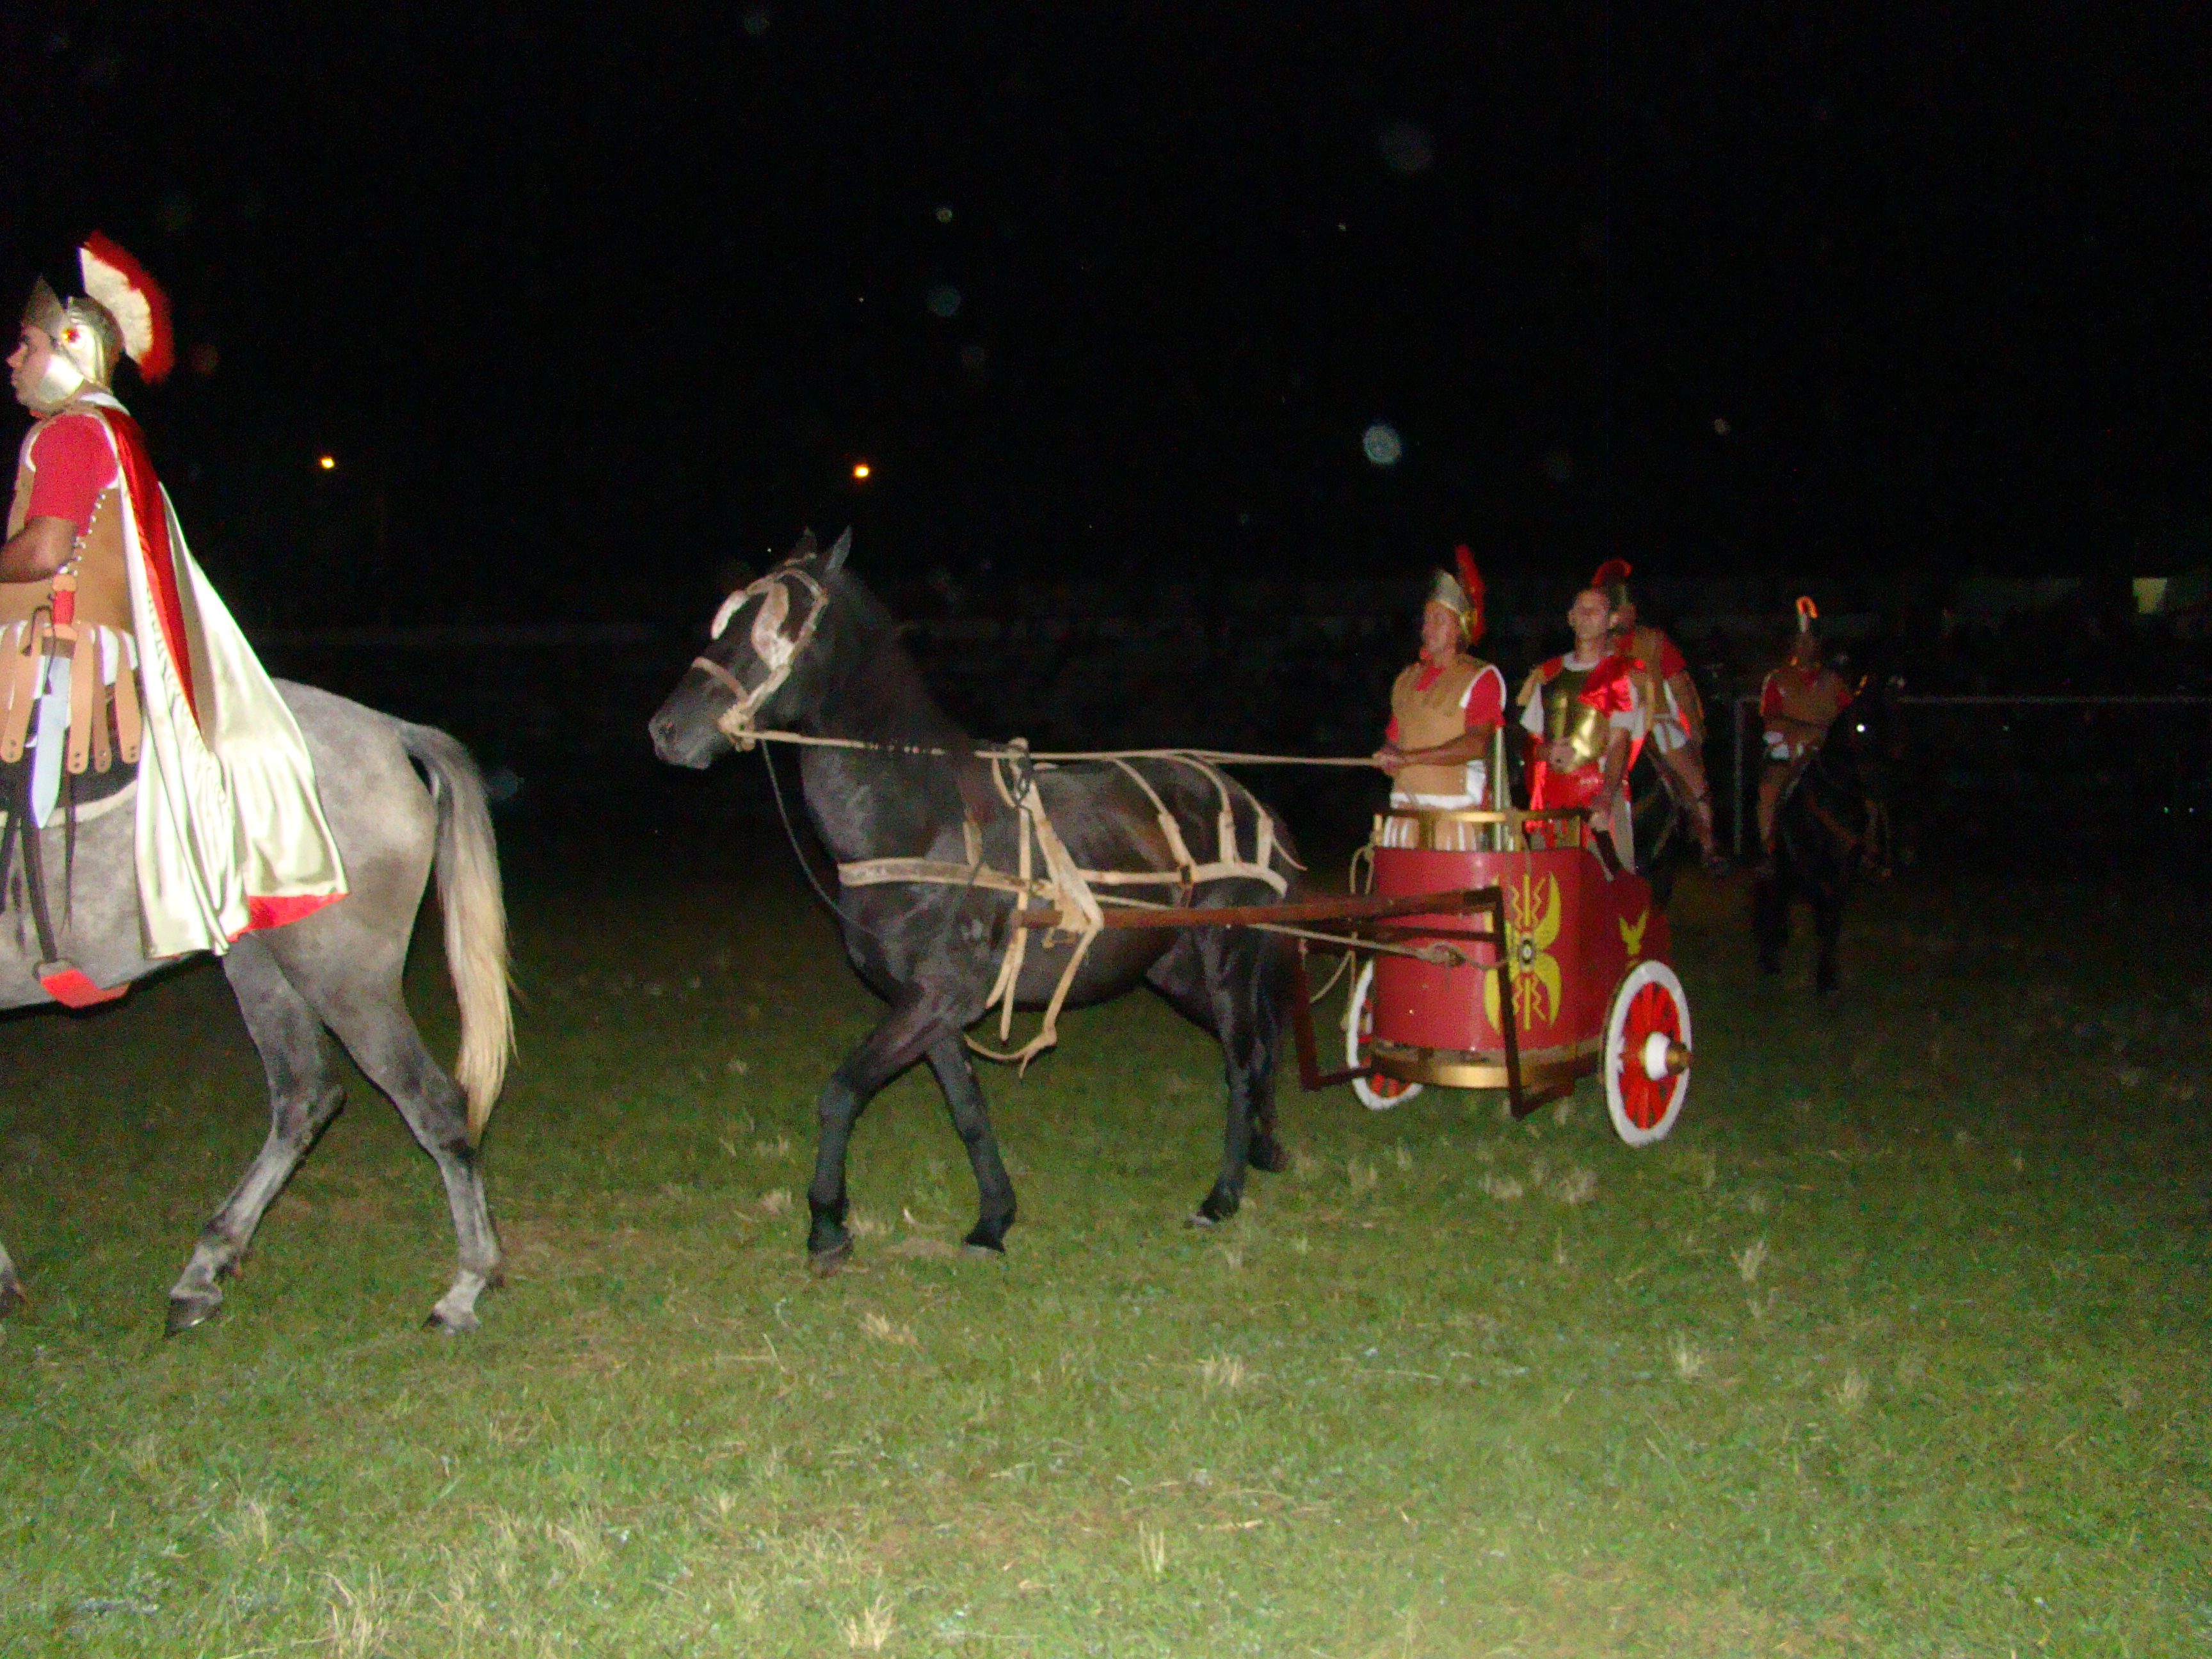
<point x="776" y="653"/>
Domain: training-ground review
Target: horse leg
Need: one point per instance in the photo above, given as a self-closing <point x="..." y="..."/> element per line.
<point x="964" y="1097"/>
<point x="895" y="1043"/>
<point x="1200" y="979"/>
<point x="302" y="1098"/>
<point x="355" y="991"/>
<point x="11" y="1288"/>
<point x="1769" y="918"/>
<point x="1828" y="933"/>
<point x="1271" y="990"/>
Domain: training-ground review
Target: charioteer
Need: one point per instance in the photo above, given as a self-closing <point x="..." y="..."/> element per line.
<point x="1445" y="707"/>
<point x="1797" y="704"/>
<point x="1678" y="714"/>
<point x="112" y="645"/>
<point x="1585" y="716"/>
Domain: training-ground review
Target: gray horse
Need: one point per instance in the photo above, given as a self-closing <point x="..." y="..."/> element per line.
<point x="338" y="967"/>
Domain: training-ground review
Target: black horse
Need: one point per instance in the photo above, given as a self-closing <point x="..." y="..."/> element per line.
<point x="1830" y="828"/>
<point x="808" y="649"/>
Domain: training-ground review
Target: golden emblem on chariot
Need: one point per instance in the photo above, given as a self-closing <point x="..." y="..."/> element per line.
<point x="1531" y="923"/>
<point x="1633" y="937"/>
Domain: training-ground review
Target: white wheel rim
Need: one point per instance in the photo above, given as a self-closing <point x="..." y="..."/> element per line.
<point x="1374" y="1099"/>
<point x="1651" y="1050"/>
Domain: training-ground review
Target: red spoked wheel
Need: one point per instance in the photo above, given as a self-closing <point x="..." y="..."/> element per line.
<point x="1647" y="1054"/>
<point x="1376" y="1093"/>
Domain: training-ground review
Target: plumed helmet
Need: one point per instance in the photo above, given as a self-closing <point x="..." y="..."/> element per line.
<point x="121" y="313"/>
<point x="1460" y="590"/>
<point x="1611" y="578"/>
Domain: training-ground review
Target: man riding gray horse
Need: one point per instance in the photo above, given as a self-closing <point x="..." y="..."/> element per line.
<point x="237" y="810"/>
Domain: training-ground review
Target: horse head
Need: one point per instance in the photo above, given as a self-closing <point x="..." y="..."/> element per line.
<point x="1866" y="744"/>
<point x="757" y="641"/>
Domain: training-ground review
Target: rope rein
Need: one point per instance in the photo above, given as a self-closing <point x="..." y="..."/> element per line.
<point x="1016" y="749"/>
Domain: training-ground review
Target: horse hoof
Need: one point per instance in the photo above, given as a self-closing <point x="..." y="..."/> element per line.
<point x="825" y="1264"/>
<point x="451" y="1324"/>
<point x="1216" y="1207"/>
<point x="1271" y="1155"/>
<point x="985" y="1241"/>
<point x="982" y="1251"/>
<point x="187" y="1311"/>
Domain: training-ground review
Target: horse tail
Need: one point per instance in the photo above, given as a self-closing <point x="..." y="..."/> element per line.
<point x="475" y="912"/>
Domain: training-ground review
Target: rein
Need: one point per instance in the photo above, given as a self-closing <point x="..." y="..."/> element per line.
<point x="1019" y="750"/>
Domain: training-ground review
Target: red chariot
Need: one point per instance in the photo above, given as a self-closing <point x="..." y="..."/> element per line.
<point x="1540" y="963"/>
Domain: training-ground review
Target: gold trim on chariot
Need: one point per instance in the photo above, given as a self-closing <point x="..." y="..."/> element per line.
<point x="1497" y="830"/>
<point x="1462" y="1068"/>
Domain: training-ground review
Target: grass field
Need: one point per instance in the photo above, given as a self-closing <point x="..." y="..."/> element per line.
<point x="1897" y="1345"/>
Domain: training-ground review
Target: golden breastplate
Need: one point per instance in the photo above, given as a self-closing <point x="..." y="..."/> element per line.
<point x="1569" y="720"/>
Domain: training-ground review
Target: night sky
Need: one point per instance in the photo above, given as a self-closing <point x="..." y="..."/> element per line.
<point x="591" y="304"/>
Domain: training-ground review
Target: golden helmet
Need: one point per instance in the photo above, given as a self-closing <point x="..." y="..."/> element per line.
<point x="122" y="313"/>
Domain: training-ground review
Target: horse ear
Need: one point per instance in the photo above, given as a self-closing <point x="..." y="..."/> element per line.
<point x="837" y="553"/>
<point x="805" y="548"/>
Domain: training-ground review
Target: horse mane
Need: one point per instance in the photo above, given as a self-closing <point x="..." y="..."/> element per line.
<point x="870" y="687"/>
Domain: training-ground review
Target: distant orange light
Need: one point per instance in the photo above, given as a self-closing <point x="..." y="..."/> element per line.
<point x="859" y="469"/>
<point x="328" y="463"/>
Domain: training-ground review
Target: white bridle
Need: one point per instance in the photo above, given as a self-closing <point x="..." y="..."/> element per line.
<point x="776" y="653"/>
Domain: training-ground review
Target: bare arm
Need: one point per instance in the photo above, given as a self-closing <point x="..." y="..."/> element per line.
<point x="1685" y="699"/>
<point x="1608" y="788"/>
<point x="1471" y="744"/>
<point x="41" y="547"/>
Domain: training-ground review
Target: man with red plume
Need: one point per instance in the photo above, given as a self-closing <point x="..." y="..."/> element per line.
<point x="114" y="644"/>
<point x="1446" y="705"/>
<point x="1797" y="704"/>
<point x="1678" y="714"/>
<point x="1584" y="717"/>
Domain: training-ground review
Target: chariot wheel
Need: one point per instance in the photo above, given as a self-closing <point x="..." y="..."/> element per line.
<point x="1377" y="1094"/>
<point x="1646" y="1058"/>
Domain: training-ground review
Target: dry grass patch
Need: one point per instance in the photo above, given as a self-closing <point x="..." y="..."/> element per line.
<point x="1575" y="1186"/>
<point x="360" y="1617"/>
<point x="878" y="1328"/>
<point x="581" y="1541"/>
<point x="869" y="1630"/>
<point x="1152" y="1548"/>
<point x="1690" y="1361"/>
<point x="1224" y="1371"/>
<point x="1750" y="1259"/>
<point x="1850" y="1393"/>
<point x="246" y="1530"/>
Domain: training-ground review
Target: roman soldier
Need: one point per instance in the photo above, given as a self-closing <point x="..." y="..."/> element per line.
<point x="1446" y="705"/>
<point x="1585" y="718"/>
<point x="1797" y="704"/>
<point x="1678" y="714"/>
<point x="113" y="645"/>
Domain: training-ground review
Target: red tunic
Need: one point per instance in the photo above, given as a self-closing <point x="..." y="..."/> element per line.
<point x="1606" y="702"/>
<point x="71" y="466"/>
